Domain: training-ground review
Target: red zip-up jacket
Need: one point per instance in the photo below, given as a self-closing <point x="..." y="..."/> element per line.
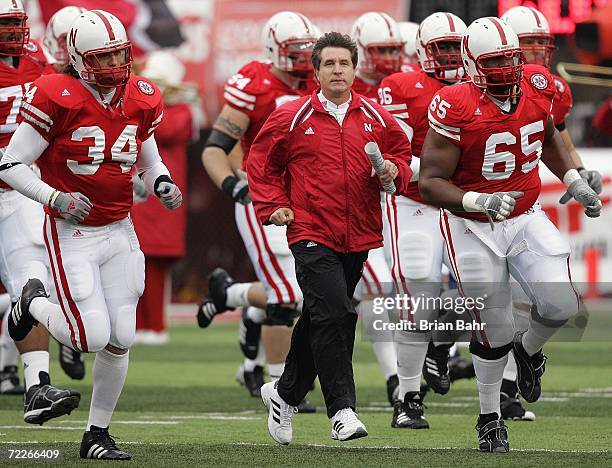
<point x="304" y="160"/>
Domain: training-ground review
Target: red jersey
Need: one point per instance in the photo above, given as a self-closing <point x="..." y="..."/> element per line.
<point x="562" y="105"/>
<point x="14" y="82"/>
<point x="365" y="89"/>
<point x="256" y="92"/>
<point x="499" y="151"/>
<point x="407" y="97"/>
<point x="161" y="232"/>
<point x="91" y="149"/>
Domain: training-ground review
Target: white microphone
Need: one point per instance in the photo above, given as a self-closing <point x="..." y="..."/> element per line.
<point x="378" y="163"/>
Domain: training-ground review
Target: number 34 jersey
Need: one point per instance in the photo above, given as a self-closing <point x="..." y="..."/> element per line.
<point x="500" y="151"/>
<point x="91" y="149"/>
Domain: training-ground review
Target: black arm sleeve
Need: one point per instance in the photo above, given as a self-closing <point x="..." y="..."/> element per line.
<point x="221" y="140"/>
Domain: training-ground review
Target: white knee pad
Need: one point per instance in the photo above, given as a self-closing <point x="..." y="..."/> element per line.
<point x="416" y="252"/>
<point x="555" y="303"/>
<point x="124" y="327"/>
<point x="135" y="272"/>
<point x="98" y="336"/>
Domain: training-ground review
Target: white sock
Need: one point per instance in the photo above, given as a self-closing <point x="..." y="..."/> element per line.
<point x="260" y="359"/>
<point x="5" y="302"/>
<point x="410" y="359"/>
<point x="276" y="370"/>
<point x="8" y="349"/>
<point x="386" y="357"/>
<point x="382" y="340"/>
<point x="33" y="363"/>
<point x="256" y="315"/>
<point x="50" y="315"/>
<point x="453" y="350"/>
<point x="237" y="295"/>
<point x="489" y="374"/>
<point x="109" y="372"/>
<point x="510" y="369"/>
<point x="249" y="365"/>
<point x="536" y="336"/>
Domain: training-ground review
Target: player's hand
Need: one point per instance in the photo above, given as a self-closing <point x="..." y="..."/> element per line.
<point x="282" y="217"/>
<point x="139" y="190"/>
<point x="593" y="178"/>
<point x="237" y="189"/>
<point x="73" y="207"/>
<point x="498" y="205"/>
<point x="585" y="195"/>
<point x="389" y="174"/>
<point x="169" y="195"/>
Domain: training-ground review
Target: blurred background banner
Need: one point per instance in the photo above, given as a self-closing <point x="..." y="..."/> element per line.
<point x="215" y="38"/>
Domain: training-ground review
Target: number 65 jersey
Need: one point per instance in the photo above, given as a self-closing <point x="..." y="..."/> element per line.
<point x="91" y="148"/>
<point x="500" y="150"/>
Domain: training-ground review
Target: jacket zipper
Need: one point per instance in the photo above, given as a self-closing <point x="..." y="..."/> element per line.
<point x="346" y="188"/>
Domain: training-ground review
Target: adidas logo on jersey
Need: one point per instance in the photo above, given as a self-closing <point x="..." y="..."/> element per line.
<point x="77" y="233"/>
<point x="310" y="131"/>
<point x="418" y="85"/>
<point x="418" y="212"/>
<point x="311" y="244"/>
<point x="65" y="92"/>
<point x="477" y="111"/>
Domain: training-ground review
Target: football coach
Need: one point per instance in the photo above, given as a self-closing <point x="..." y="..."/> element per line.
<point x="307" y="169"/>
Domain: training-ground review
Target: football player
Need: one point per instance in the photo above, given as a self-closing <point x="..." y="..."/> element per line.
<point x="413" y="243"/>
<point x="22" y="253"/>
<point x="250" y="97"/>
<point x="379" y="47"/>
<point x="480" y="163"/>
<point x="86" y="128"/>
<point x="54" y="41"/>
<point x="537" y="44"/>
<point x="408" y="33"/>
<point x="56" y="52"/>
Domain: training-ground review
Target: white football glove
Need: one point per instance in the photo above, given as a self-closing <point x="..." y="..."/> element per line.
<point x="73" y="207"/>
<point x="168" y="193"/>
<point x="585" y="195"/>
<point x="497" y="206"/>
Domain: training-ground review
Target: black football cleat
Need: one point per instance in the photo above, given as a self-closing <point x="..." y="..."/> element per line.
<point x="98" y="444"/>
<point x="510" y="403"/>
<point x="72" y="362"/>
<point x="218" y="282"/>
<point x="435" y="368"/>
<point x="529" y="369"/>
<point x="253" y="381"/>
<point x="393" y="389"/>
<point x="9" y="381"/>
<point x="44" y="402"/>
<point x="306" y="407"/>
<point x="206" y="313"/>
<point x="492" y="434"/>
<point x="409" y="413"/>
<point x="460" y="368"/>
<point x="249" y="335"/>
<point x="20" y="320"/>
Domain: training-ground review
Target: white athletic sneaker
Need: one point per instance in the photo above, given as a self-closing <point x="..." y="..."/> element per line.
<point x="279" y="414"/>
<point x="346" y="426"/>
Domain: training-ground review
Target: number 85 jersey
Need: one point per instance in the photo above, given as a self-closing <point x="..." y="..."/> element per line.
<point x="91" y="148"/>
<point x="500" y="151"/>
